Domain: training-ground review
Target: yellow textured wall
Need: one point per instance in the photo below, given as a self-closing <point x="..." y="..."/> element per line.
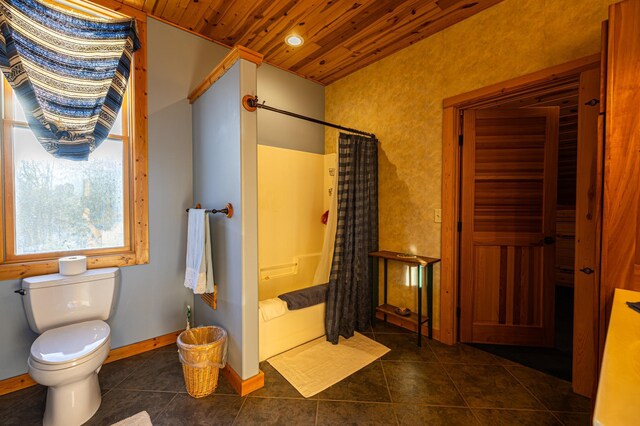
<point x="400" y="99"/>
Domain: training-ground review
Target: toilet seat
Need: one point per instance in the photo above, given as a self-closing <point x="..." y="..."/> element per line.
<point x="70" y="345"/>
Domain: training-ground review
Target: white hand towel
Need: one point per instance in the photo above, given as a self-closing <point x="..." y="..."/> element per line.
<point x="199" y="271"/>
<point x="272" y="308"/>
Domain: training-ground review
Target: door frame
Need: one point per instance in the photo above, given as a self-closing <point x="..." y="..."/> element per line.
<point x="549" y="78"/>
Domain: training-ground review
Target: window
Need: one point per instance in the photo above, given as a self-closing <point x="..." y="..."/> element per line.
<point x="55" y="207"/>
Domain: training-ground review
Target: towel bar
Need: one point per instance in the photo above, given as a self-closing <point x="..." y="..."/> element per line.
<point x="228" y="210"/>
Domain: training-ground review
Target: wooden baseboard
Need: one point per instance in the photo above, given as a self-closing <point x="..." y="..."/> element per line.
<point x="16" y="383"/>
<point x="23" y="381"/>
<point x="243" y="387"/>
<point x="141" y="347"/>
<point x="408" y="325"/>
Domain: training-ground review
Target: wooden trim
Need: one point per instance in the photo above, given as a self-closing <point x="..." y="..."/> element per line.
<point x="237" y="53"/>
<point x="113" y="8"/>
<point x="16" y="383"/>
<point x="20" y="266"/>
<point x="7" y="114"/>
<point x="116" y="6"/>
<point x="127" y="173"/>
<point x="408" y="325"/>
<point x="588" y="217"/>
<point x="538" y="78"/>
<point x="243" y="387"/>
<point x="142" y="347"/>
<point x="450" y="217"/>
<point x="29" y="269"/>
<point x="9" y="234"/>
<point x="23" y="381"/>
<point x="452" y="127"/>
<point x="139" y="183"/>
<point x="599" y="294"/>
<point x="192" y="32"/>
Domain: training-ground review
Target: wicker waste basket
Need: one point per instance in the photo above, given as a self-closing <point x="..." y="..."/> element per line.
<point x="202" y="352"/>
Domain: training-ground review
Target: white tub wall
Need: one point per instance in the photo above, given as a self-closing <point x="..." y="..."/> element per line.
<point x="290" y="205"/>
<point x="275" y="281"/>
<point x="330" y="162"/>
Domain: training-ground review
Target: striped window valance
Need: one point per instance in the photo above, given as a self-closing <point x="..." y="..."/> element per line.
<point x="69" y="72"/>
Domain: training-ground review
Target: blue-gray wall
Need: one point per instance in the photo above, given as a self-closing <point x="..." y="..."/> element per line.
<point x="217" y="181"/>
<point x="152" y="298"/>
<point x="287" y="91"/>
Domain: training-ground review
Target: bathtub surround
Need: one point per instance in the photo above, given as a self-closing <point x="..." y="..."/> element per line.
<point x="290" y="204"/>
<point x="323" y="271"/>
<point x="290" y="238"/>
<point x="292" y="329"/>
<point x="349" y="293"/>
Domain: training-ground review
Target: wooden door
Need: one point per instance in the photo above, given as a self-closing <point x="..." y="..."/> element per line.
<point x="509" y="178"/>
<point x="621" y="206"/>
<point x="588" y="219"/>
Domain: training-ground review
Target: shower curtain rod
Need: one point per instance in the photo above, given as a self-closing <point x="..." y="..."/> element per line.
<point x="250" y="103"/>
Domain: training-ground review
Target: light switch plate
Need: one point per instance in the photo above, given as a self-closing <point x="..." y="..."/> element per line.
<point x="437" y="215"/>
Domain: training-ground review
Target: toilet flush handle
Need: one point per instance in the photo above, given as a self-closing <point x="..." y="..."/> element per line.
<point x="21" y="291"/>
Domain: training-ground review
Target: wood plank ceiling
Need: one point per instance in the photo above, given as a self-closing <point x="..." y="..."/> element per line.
<point x="340" y="36"/>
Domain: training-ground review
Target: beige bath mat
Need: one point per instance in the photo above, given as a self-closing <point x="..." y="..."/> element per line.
<point x="140" y="419"/>
<point x="317" y="365"/>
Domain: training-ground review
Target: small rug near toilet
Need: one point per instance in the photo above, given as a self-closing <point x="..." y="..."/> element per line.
<point x="317" y="365"/>
<point x="140" y="419"/>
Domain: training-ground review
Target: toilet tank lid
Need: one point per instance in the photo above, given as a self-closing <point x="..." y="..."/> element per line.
<point x="42" y="281"/>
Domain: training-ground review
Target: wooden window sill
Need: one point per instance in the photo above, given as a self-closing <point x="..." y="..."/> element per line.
<point x="10" y="271"/>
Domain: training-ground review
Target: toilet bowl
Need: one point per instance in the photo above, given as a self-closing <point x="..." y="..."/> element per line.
<point x="68" y="311"/>
<point x="67" y="359"/>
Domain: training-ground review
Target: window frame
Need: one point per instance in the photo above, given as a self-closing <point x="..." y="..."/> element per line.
<point x="135" y="172"/>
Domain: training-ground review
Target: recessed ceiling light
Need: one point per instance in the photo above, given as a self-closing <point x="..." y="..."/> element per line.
<point x="294" y="40"/>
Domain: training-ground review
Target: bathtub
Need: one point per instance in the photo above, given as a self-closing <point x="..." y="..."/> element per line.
<point x="294" y="328"/>
<point x="290" y="330"/>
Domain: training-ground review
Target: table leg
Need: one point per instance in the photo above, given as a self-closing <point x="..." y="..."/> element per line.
<point x="375" y="287"/>
<point x="420" y="269"/>
<point x="385" y="287"/>
<point x="430" y="299"/>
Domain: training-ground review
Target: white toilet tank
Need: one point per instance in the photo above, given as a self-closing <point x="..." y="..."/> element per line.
<point x="55" y="300"/>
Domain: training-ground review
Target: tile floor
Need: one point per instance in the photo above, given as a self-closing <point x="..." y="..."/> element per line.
<point x="435" y="385"/>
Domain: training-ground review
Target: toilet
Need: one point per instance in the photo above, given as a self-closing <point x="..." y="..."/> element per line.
<point x="69" y="313"/>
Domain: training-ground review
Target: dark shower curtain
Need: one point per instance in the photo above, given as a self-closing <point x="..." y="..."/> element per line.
<point x="349" y="292"/>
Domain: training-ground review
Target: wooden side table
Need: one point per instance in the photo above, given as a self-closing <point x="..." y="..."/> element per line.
<point x="423" y="263"/>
